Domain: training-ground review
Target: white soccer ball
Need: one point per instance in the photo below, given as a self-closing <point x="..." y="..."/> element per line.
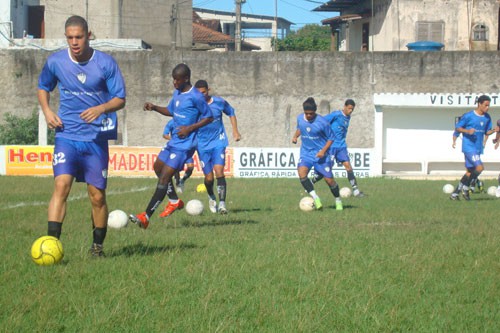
<point x="345" y="192"/>
<point x="194" y="207"/>
<point x="492" y="190"/>
<point x="306" y="204"/>
<point x="448" y="189"/>
<point x="117" y="219"/>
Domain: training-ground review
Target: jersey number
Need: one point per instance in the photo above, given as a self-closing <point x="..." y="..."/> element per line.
<point x="58" y="158"/>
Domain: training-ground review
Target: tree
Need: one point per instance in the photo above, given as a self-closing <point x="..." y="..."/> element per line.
<point x="311" y="37"/>
<point x="21" y="131"/>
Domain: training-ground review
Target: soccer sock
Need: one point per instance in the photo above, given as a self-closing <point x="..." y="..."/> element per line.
<point x="307" y="184"/>
<point x="99" y="235"/>
<point x="172" y="195"/>
<point x="177" y="177"/>
<point x="158" y="196"/>
<point x="221" y="188"/>
<point x="461" y="184"/>
<point x="187" y="174"/>
<point x="54" y="229"/>
<point x="352" y="179"/>
<point x="316" y="177"/>
<point x="335" y="190"/>
<point x="210" y="188"/>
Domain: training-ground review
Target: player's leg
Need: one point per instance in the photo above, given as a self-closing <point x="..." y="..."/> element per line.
<point x="177" y="177"/>
<point x="342" y="156"/>
<point x="219" y="160"/>
<point x="99" y="219"/>
<point x="303" y="170"/>
<point x="206" y="159"/>
<point x="324" y="166"/>
<point x="174" y="203"/>
<point x="334" y="188"/>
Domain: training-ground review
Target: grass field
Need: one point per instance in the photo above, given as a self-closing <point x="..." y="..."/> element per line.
<point x="405" y="258"/>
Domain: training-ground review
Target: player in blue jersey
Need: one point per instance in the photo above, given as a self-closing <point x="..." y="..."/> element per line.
<point x="212" y="143"/>
<point x="91" y="89"/>
<point x="339" y="122"/>
<point x="179" y="182"/>
<point x="473" y="125"/>
<point x="473" y="181"/>
<point x="316" y="137"/>
<point x="190" y="112"/>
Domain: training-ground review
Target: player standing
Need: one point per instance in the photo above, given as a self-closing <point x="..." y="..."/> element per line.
<point x="212" y="143"/>
<point x="190" y="112"/>
<point x="179" y="182"/>
<point x="316" y="137"/>
<point x="339" y="121"/>
<point x="91" y="89"/>
<point x="473" y="125"/>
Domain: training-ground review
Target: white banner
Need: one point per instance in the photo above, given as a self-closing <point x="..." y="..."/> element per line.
<point x="282" y="163"/>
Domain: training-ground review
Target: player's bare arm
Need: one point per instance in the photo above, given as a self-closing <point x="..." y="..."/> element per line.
<point x="296" y="136"/>
<point x="94" y="112"/>
<point x="234" y="125"/>
<point x="185" y="130"/>
<point x="52" y="119"/>
<point x="160" y="109"/>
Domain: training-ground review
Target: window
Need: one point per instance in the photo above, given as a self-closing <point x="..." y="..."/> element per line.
<point x="432" y="31"/>
<point x="480" y="32"/>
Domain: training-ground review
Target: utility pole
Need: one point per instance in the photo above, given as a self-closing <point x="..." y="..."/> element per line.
<point x="237" y="31"/>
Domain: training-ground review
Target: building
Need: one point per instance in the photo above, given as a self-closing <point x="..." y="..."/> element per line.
<point x="257" y="30"/>
<point x="155" y="22"/>
<point x="388" y="25"/>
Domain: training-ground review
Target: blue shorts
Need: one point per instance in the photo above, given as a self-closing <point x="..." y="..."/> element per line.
<point x="321" y="165"/>
<point x="86" y="161"/>
<point x="175" y="158"/>
<point x="472" y="160"/>
<point x="340" y="155"/>
<point x="209" y="158"/>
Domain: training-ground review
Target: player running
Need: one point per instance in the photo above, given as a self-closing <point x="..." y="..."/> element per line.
<point x="316" y="137"/>
<point x="339" y="121"/>
<point x="474" y="125"/>
<point x="190" y="112"/>
<point x="212" y="143"/>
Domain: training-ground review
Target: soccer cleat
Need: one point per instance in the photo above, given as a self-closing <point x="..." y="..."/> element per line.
<point x="96" y="251"/>
<point x="212" y="205"/>
<point x="454" y="196"/>
<point x="141" y="220"/>
<point x="222" y="208"/>
<point x="338" y="205"/>
<point x="358" y="194"/>
<point x="465" y="195"/>
<point x="180" y="187"/>
<point x="317" y="203"/>
<point x="172" y="207"/>
<point x="472" y="190"/>
<point x="480" y="186"/>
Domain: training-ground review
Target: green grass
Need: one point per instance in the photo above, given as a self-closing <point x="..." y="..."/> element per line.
<point x="405" y="258"/>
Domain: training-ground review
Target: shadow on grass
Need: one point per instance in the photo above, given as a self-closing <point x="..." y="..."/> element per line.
<point x="214" y="223"/>
<point x="142" y="249"/>
<point x="248" y="210"/>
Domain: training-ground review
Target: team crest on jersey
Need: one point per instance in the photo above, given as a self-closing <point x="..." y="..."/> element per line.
<point x="327" y="169"/>
<point x="308" y="129"/>
<point x="222" y="156"/>
<point x="172" y="156"/>
<point x="202" y="164"/>
<point x="177" y="103"/>
<point x="105" y="173"/>
<point x="82" y="77"/>
<point x="482" y="124"/>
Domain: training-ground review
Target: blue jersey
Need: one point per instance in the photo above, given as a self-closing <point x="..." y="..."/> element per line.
<point x="339" y="123"/>
<point x="313" y="135"/>
<point x="169" y="128"/>
<point x="214" y="134"/>
<point x="82" y="86"/>
<point x="473" y="143"/>
<point x="187" y="108"/>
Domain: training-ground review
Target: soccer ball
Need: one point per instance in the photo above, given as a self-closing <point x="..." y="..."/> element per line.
<point x="201" y="188"/>
<point x="492" y="190"/>
<point x="345" y="192"/>
<point x="448" y="188"/>
<point x="194" y="207"/>
<point x="117" y="219"/>
<point x="306" y="204"/>
<point x="46" y="251"/>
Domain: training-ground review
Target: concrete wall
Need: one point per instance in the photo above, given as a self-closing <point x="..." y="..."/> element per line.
<point x="267" y="89"/>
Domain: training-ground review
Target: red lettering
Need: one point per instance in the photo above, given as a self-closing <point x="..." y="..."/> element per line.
<point x="32" y="157"/>
<point x="13" y="155"/>
<point x="123" y="163"/>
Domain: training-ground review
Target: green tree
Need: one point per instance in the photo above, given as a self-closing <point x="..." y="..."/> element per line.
<point x="311" y="37"/>
<point x="21" y="131"/>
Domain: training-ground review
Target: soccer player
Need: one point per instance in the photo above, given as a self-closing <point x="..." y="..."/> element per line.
<point x="179" y="182"/>
<point x="473" y="125"/>
<point x="212" y="143"/>
<point x="339" y="122"/>
<point x="316" y="137"/>
<point x="473" y="181"/>
<point x="91" y="89"/>
<point x="496" y="141"/>
<point x="190" y="112"/>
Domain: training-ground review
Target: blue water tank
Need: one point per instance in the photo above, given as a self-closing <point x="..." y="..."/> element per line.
<point x="425" y="45"/>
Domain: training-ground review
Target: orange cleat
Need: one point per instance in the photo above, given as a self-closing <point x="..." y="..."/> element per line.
<point x="172" y="207"/>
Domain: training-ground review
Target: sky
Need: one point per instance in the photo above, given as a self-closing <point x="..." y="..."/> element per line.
<point x="296" y="11"/>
